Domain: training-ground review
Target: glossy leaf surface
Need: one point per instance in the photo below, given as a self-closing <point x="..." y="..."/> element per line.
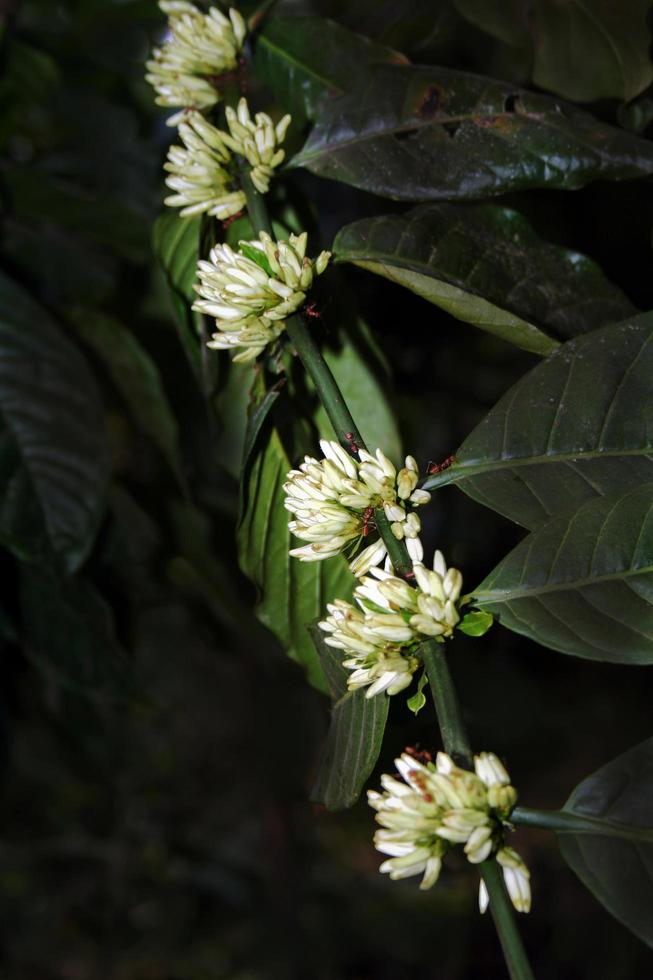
<point x="583" y="583"/>
<point x="419" y="134"/>
<point x="485" y="265"/>
<point x="566" y="432"/>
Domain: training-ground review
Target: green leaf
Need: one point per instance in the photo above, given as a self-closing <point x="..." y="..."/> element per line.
<point x="419" y="134"/>
<point x="504" y="19"/>
<point x="69" y="631"/>
<point x="418" y="699"/>
<point x="54" y="458"/>
<point x="137" y="378"/>
<point x="176" y="245"/>
<point x="354" y="739"/>
<point x="583" y="583"/>
<point x="615" y="860"/>
<point x="485" y="265"/>
<point x="578" y="426"/>
<point x="365" y="390"/>
<point x="291" y="593"/>
<point x="476" y="623"/>
<point x="257" y="256"/>
<point x="306" y="59"/>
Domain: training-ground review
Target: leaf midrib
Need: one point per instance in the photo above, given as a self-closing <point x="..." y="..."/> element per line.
<point x="562" y="586"/>
<point x="462" y="470"/>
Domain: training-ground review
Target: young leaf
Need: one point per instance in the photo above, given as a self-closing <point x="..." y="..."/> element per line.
<point x="137" y="378"/>
<point x="306" y="59"/>
<point x="476" y="623"/>
<point x="54" y="457"/>
<point x="615" y="861"/>
<point x="355" y="735"/>
<point x="418" y="699"/>
<point x="437" y="133"/>
<point x="256" y="255"/>
<point x="583" y="583"/>
<point x="485" y="265"/>
<point x="567" y="431"/>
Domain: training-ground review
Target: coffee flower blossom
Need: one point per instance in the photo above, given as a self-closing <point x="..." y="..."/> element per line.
<point x="258" y="140"/>
<point x="200" y="47"/>
<point x="433" y="807"/>
<point x="380" y="638"/>
<point x="333" y="502"/>
<point x="199" y="172"/>
<point x="251" y="292"/>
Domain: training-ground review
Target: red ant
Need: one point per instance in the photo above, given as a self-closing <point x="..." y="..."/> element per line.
<point x="351" y="445"/>
<point x="421" y="755"/>
<point x="368" y="513"/>
<point x="227" y="223"/>
<point x="439" y="467"/>
<point x="311" y="310"/>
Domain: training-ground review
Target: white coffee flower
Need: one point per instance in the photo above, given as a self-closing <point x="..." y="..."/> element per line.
<point x="257" y="140"/>
<point x="186" y="69"/>
<point x="334" y="500"/>
<point x="397" y="617"/>
<point x="199" y="172"/>
<point x="252" y="291"/>
<point x="378" y="662"/>
<point x="434" y="807"/>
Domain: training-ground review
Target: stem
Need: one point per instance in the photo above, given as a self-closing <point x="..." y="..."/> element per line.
<point x="562" y="822"/>
<point x="505" y="922"/>
<point x="447" y="705"/>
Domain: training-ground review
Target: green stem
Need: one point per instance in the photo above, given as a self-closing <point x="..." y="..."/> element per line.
<point x="448" y="710"/>
<point x="504" y="919"/>
<point x="447" y="706"/>
<point x="562" y="822"/>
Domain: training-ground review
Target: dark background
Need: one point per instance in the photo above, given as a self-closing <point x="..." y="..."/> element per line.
<point x="165" y="833"/>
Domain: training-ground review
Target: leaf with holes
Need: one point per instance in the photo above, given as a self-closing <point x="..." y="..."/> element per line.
<point x="355" y="734"/>
<point x="419" y="134"/>
<point x="583" y="583"/>
<point x="54" y="457"/>
<point x="307" y="59"/>
<point x="613" y="854"/>
<point x="485" y="265"/>
<point x="567" y="432"/>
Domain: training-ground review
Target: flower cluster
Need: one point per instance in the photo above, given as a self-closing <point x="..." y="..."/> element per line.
<point x="252" y="291"/>
<point x="436" y="806"/>
<point x="381" y="637"/>
<point x="199" y="173"/>
<point x="333" y="502"/>
<point x="258" y="140"/>
<point x="200" y="48"/>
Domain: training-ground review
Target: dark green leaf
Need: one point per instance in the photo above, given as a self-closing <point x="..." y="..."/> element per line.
<point x="567" y="431"/>
<point x="137" y="378"/>
<point x="504" y="19"/>
<point x="305" y="59"/>
<point x="354" y="739"/>
<point x="69" y="631"/>
<point x="485" y="265"/>
<point x="583" y="583"/>
<point x="592" y="49"/>
<point x="419" y="134"/>
<point x="291" y="593"/>
<point x="615" y="862"/>
<point x="54" y="456"/>
<point x="176" y="244"/>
